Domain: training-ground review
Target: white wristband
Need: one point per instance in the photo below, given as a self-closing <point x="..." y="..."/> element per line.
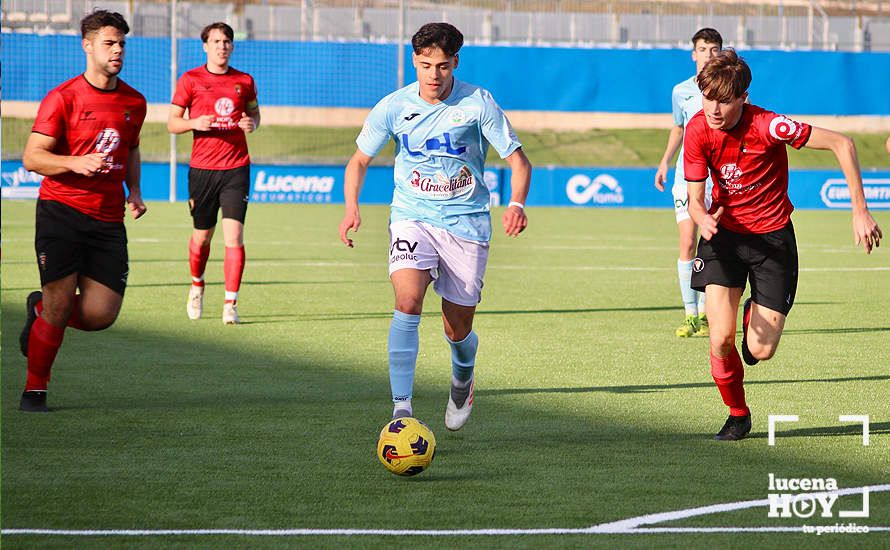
<point x="518" y="204"/>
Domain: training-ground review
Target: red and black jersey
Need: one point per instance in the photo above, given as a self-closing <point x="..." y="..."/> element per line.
<point x="226" y="97"/>
<point x="84" y="119"/>
<point x="748" y="165"/>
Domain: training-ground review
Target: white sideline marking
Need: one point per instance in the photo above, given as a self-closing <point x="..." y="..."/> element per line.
<point x="623" y="527"/>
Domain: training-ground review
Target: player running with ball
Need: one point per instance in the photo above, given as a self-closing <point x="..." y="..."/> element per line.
<point x="440" y="223"/>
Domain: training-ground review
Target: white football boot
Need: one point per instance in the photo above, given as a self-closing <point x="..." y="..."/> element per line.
<point x="230" y="314"/>
<point x="460" y="404"/>
<point x="195" y="306"/>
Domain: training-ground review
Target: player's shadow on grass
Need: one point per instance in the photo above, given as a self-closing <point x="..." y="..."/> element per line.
<point x="838" y="330"/>
<point x="649" y="388"/>
<point x="881" y="428"/>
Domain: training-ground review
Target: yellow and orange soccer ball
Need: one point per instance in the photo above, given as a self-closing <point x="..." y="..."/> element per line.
<point x="406" y="446"/>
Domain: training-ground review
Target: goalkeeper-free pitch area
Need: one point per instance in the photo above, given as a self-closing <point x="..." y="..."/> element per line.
<point x="588" y="409"/>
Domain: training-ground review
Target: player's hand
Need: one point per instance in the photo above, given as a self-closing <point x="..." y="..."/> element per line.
<point x="351" y="220"/>
<point x="202" y="123"/>
<point x="88" y="165"/>
<point x="514" y="220"/>
<point x="246" y="123"/>
<point x="708" y="225"/>
<point x="661" y="176"/>
<point x="866" y="231"/>
<point x="136" y="206"/>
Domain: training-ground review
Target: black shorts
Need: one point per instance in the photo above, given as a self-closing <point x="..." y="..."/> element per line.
<point x="767" y="260"/>
<point x="68" y="241"/>
<point x="210" y="190"/>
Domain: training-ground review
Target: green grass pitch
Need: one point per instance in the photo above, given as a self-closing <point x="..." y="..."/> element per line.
<point x="588" y="410"/>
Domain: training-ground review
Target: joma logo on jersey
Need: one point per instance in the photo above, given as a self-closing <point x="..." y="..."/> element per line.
<point x="434" y="144"/>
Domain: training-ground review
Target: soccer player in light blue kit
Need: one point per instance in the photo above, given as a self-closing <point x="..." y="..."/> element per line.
<point x="440" y="222"/>
<point x="685" y="102"/>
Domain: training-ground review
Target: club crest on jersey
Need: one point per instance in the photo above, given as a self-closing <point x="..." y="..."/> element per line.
<point x="441" y="187"/>
<point x="456" y="116"/>
<point x="224" y="106"/>
<point x="238" y="90"/>
<point x="784" y="129"/>
<point x="107" y="141"/>
<point x="730" y="174"/>
<point x="127" y="116"/>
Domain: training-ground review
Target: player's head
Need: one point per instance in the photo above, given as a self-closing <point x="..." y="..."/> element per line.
<point x="219" y="41"/>
<point x="102" y="38"/>
<point x="724" y="82"/>
<point x="435" y="58"/>
<point x="705" y="45"/>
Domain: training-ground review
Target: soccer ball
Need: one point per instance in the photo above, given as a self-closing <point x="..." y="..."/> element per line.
<point x="406" y="446"/>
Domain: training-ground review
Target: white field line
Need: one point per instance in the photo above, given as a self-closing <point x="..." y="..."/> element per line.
<point x="623" y="527"/>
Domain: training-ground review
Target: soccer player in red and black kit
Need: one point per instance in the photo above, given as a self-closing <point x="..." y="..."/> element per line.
<point x="222" y="108"/>
<point x="85" y="141"/>
<point x="747" y="233"/>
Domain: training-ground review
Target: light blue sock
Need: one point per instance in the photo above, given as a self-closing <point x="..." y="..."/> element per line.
<point x="403" y="343"/>
<point x="701" y="302"/>
<point x="463" y="356"/>
<point x="690" y="300"/>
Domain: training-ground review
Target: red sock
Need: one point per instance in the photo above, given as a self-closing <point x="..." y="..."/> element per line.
<point x="729" y="375"/>
<point x="198" y="261"/>
<point x="43" y="345"/>
<point x="233" y="267"/>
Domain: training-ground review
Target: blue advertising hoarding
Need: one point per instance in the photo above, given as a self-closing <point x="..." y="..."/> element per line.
<point x="551" y="186"/>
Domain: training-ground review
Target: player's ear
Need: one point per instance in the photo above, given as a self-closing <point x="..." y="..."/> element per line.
<point x="456" y="60"/>
<point x="87" y="45"/>
<point x="204" y="45"/>
<point x="414" y="59"/>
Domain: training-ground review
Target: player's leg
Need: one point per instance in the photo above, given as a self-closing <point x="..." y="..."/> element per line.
<point x="45" y="338"/>
<point x="461" y="270"/>
<point x="684" y="275"/>
<point x="204" y="207"/>
<point x="233" y="200"/>
<point x="409" y="288"/>
<point x="773" y="288"/>
<point x="58" y="245"/>
<point x="721" y="273"/>
<point x="726" y="364"/>
<point x="686" y="228"/>
<point x="413" y="264"/>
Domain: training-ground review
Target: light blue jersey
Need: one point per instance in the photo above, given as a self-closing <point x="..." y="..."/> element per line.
<point x="685" y="102"/>
<point x="440" y="155"/>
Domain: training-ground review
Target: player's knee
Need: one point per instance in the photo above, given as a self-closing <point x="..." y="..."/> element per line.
<point x="412" y="305"/>
<point x="763" y="351"/>
<point x="721" y="345"/>
<point x="457" y="332"/>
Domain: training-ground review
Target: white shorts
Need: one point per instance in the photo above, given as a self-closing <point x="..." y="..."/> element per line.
<point x="456" y="265"/>
<point x="681" y="198"/>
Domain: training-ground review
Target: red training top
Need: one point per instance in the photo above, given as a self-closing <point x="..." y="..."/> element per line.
<point x="84" y="119"/>
<point x="225" y="96"/>
<point x="748" y="165"/>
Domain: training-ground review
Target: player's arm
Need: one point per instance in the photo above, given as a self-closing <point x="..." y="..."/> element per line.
<point x="354" y="177"/>
<point x="707" y="223"/>
<point x="675" y="139"/>
<point x="39" y="157"/>
<point x="865" y="228"/>
<point x="514" y="218"/>
<point x="133" y="181"/>
<point x="178" y="124"/>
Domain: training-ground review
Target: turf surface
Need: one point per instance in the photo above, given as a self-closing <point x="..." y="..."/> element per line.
<point x="588" y="409"/>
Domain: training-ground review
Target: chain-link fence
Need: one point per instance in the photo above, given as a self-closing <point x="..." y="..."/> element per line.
<point x="792" y="24"/>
